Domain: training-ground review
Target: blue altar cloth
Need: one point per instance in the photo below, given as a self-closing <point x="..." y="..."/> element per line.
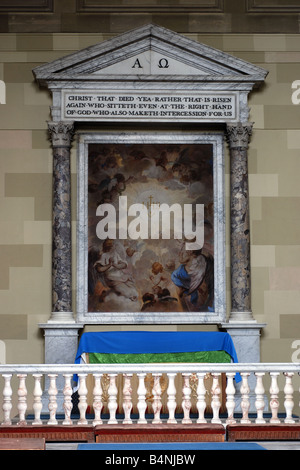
<point x="138" y="342"/>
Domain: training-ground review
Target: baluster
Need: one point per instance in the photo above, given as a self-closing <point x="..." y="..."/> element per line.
<point x="52" y="392"/>
<point x="245" y="403"/>
<point x="97" y="403"/>
<point x="7" y="403"/>
<point x="112" y="399"/>
<point x="288" y="402"/>
<point x="259" y="403"/>
<point x="186" y="402"/>
<point x="230" y="403"/>
<point x="127" y="401"/>
<point x="216" y="403"/>
<point x="37" y="401"/>
<point x="82" y="405"/>
<point x="156" y="399"/>
<point x="142" y="405"/>
<point x="22" y="402"/>
<point x="171" y="398"/>
<point x="67" y="400"/>
<point x="201" y="403"/>
<point x="274" y="402"/>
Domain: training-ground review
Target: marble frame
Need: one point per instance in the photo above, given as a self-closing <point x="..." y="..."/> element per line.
<point x="216" y="138"/>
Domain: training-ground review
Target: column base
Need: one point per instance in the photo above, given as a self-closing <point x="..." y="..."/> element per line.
<point x="241" y="317"/>
<point x="61" y="317"/>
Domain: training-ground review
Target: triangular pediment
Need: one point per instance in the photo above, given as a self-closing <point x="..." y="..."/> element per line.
<point x="149" y="51"/>
<point x="151" y="62"/>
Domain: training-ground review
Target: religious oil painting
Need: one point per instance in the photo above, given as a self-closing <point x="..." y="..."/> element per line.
<point x="150" y="227"/>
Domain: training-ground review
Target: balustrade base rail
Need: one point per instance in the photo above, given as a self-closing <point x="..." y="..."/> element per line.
<point x="244" y="383"/>
<point x="119" y="433"/>
<point x="263" y="432"/>
<point x="165" y="433"/>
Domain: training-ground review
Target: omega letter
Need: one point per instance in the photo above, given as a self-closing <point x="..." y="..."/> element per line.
<point x="163" y="64"/>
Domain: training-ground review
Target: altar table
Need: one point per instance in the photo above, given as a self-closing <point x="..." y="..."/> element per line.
<point x="156" y="346"/>
<point x="132" y="347"/>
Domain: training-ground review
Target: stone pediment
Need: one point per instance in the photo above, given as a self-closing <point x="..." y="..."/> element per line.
<point x="149" y="53"/>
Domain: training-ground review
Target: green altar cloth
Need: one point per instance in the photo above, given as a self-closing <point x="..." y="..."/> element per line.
<point x="194" y="356"/>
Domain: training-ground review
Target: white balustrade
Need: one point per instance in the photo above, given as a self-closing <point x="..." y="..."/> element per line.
<point x="7" y="402"/>
<point x="288" y="402"/>
<point x="171" y="399"/>
<point x="68" y="400"/>
<point x="22" y="399"/>
<point x="245" y="403"/>
<point x="127" y="400"/>
<point x="259" y="403"/>
<point x="52" y="391"/>
<point x="237" y="400"/>
<point x="112" y="402"/>
<point x="97" y="403"/>
<point x="230" y="403"/>
<point x="142" y="404"/>
<point x="186" y="402"/>
<point x="37" y="397"/>
<point x="274" y="401"/>
<point x="82" y="405"/>
<point x="215" y="402"/>
<point x="201" y="403"/>
<point x="156" y="399"/>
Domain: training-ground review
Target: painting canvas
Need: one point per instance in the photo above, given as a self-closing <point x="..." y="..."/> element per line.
<point x="150" y="228"/>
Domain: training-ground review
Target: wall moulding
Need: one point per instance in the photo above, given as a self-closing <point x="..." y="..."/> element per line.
<point x="264" y="6"/>
<point x="36" y="6"/>
<point x="191" y="6"/>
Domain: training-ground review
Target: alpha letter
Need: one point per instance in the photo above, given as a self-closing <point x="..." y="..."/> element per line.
<point x="137" y="64"/>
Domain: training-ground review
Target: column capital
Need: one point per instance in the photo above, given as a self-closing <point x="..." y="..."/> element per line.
<point x="238" y="135"/>
<point x="61" y="133"/>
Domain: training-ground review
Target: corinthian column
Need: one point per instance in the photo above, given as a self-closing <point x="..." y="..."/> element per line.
<point x="238" y="136"/>
<point x="61" y="134"/>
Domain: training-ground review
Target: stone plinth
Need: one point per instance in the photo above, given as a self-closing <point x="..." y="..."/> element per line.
<point x="61" y="343"/>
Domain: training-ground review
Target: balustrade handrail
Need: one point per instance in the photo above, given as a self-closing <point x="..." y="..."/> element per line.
<point x="187" y="370"/>
<point x="158" y="368"/>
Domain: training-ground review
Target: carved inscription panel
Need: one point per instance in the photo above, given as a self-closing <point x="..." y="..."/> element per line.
<point x="149" y="106"/>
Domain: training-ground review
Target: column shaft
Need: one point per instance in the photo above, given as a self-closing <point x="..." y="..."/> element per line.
<point x="238" y="136"/>
<point x="61" y="136"/>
